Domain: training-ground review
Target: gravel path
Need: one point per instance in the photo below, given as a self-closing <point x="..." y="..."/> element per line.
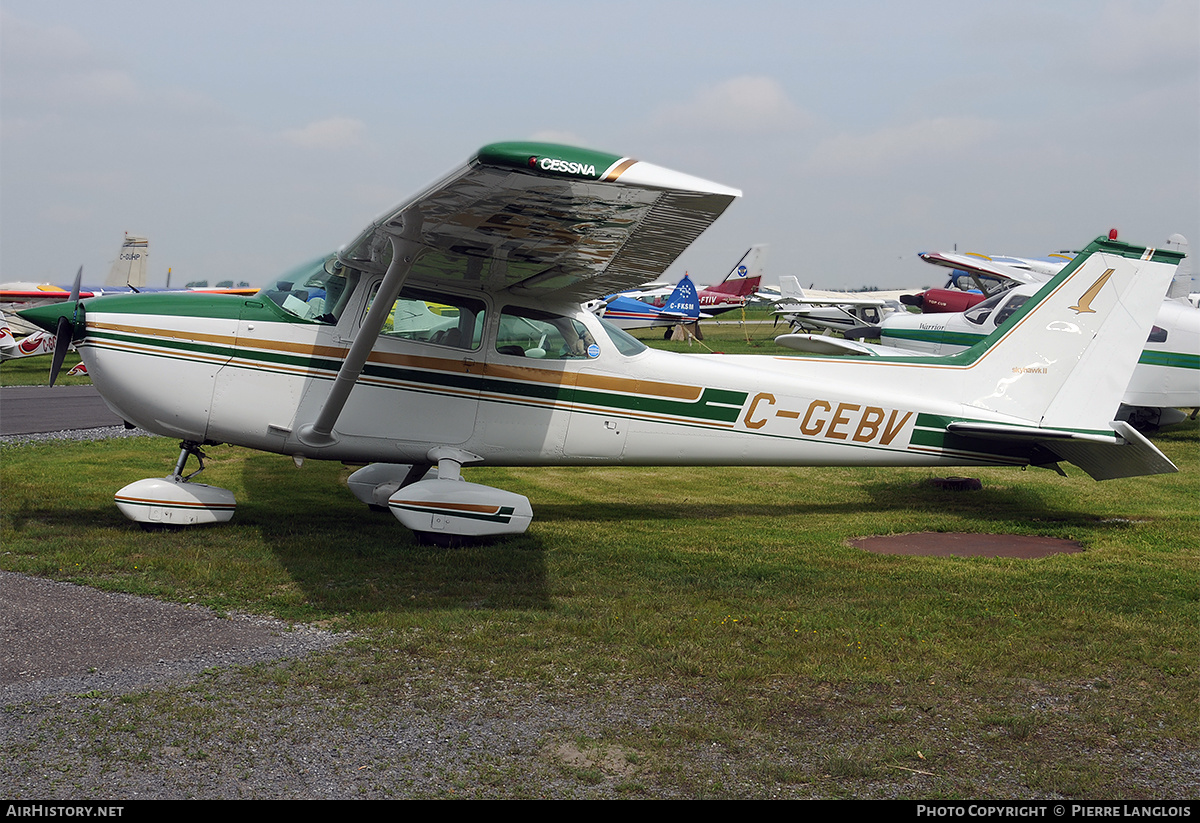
<point x="58" y="638"/>
<point x="113" y="697"/>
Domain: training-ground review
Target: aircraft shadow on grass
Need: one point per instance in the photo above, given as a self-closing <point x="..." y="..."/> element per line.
<point x="997" y="505"/>
<point x="349" y="559"/>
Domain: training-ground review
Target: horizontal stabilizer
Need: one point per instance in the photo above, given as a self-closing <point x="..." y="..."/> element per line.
<point x="1126" y="454"/>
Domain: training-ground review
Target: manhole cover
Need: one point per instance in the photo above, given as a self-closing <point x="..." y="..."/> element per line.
<point x="958" y="544"/>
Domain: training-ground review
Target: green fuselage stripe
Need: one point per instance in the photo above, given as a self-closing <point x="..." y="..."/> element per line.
<point x="1170" y="359"/>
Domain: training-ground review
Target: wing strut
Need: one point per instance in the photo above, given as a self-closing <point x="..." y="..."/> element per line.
<point x="319" y="433"/>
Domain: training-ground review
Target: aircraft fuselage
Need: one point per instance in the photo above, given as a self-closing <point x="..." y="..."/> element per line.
<point x="228" y="369"/>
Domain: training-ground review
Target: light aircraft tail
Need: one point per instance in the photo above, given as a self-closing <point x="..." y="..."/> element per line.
<point x="1062" y="362"/>
<point x="789" y="287"/>
<point x="1183" y="284"/>
<point x="129" y="269"/>
<point x="743" y="280"/>
<point x="683" y="302"/>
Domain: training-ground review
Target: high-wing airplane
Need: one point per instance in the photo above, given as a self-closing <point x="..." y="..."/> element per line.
<point x="975" y="277"/>
<point x="508" y="246"/>
<point x="832" y="311"/>
<point x="1166" y="378"/>
<point x="978" y="276"/>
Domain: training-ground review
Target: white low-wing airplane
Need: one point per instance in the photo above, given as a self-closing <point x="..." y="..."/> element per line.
<point x="1167" y="376"/>
<point x="505" y="249"/>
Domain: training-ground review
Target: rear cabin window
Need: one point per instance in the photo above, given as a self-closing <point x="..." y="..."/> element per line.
<point x="533" y="333"/>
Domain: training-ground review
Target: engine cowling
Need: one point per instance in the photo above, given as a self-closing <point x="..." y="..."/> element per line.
<point x="938" y="301"/>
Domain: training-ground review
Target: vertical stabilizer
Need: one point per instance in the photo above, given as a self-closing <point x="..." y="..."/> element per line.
<point x="1184" y="282"/>
<point x="129" y="269"/>
<point x="789" y="286"/>
<point x="683" y="301"/>
<point x="744" y="278"/>
<point x="1064" y="359"/>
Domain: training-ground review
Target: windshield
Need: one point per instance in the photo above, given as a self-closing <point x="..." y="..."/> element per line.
<point x="317" y="290"/>
<point x="625" y="342"/>
<point x="981" y="311"/>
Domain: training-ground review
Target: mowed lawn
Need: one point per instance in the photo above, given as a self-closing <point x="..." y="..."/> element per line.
<point x="795" y="665"/>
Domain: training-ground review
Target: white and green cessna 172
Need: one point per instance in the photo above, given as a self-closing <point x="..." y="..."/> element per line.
<point x="450" y="332"/>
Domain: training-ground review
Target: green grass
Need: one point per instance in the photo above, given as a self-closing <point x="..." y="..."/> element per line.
<point x="734" y="332"/>
<point x="35" y="371"/>
<point x="733" y="586"/>
<point x="807" y="667"/>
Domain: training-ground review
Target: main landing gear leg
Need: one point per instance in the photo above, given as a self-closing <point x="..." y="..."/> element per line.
<point x="170" y="502"/>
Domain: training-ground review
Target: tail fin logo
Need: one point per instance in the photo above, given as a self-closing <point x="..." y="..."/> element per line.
<point x="1084" y="306"/>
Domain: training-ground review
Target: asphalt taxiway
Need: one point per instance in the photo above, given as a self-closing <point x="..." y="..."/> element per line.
<point x="40" y="409"/>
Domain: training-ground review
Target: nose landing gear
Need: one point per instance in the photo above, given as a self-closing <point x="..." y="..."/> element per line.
<point x="158" y="503"/>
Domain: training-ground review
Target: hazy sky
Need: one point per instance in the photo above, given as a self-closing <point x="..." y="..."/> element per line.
<point x="245" y="137"/>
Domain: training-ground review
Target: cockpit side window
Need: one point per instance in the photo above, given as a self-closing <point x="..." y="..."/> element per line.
<point x="318" y="290"/>
<point x="1010" y="308"/>
<point x="434" y="317"/>
<point x="527" y="332"/>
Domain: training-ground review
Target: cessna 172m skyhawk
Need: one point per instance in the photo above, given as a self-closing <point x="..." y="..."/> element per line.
<point x="450" y="332"/>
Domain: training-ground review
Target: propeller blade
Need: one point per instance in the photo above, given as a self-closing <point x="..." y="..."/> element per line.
<point x="65" y="329"/>
<point x="74" y="298"/>
<point x="62" y="342"/>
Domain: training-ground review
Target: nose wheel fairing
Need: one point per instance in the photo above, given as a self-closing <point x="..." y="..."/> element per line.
<point x="173" y="501"/>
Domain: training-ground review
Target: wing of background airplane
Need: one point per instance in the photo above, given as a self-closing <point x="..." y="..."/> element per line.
<point x="978" y="264"/>
<point x="791" y="297"/>
<point x="831" y="300"/>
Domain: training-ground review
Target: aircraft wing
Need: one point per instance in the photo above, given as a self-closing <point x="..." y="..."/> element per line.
<point x="978" y="264"/>
<point x="824" y="344"/>
<point x="38" y="295"/>
<point x="800" y="303"/>
<point x="545" y="220"/>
